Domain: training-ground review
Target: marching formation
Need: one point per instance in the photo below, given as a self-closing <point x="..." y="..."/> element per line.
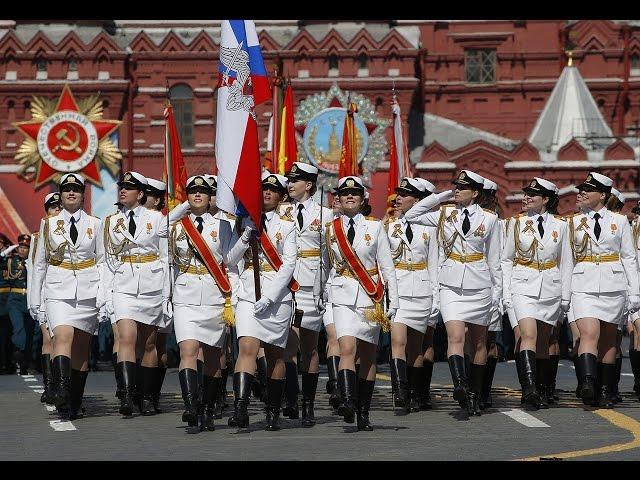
<point x="202" y="271"/>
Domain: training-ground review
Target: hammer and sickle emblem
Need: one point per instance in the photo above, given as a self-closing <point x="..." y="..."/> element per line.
<point x="70" y="143"/>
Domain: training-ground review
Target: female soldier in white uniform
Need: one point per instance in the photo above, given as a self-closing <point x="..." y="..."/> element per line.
<point x="266" y="321"/>
<point x="415" y="255"/>
<point x="605" y="270"/>
<point x="139" y="279"/>
<point x="536" y="267"/>
<point x="156" y="192"/>
<point x="470" y="278"/>
<point x="634" y="351"/>
<point x="51" y="207"/>
<point x="359" y="257"/>
<point x="69" y="263"/>
<point x="308" y="217"/>
<point x="201" y="299"/>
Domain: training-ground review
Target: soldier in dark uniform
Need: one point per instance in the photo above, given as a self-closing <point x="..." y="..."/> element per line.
<point x="21" y="321"/>
<point x="6" y="363"/>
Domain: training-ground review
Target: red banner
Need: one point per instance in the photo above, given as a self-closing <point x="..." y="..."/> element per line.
<point x="175" y="171"/>
<point x="349" y="153"/>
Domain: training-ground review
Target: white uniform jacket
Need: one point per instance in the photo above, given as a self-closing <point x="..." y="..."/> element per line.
<point x="62" y="270"/>
<point x="273" y="285"/>
<point x="483" y="238"/>
<point x="595" y="276"/>
<point x="541" y="278"/>
<point x="199" y="287"/>
<point x="307" y="238"/>
<point x="421" y="253"/>
<point x="125" y="275"/>
<point x="371" y="245"/>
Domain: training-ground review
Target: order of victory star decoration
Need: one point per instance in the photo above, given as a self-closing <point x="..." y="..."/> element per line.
<point x="67" y="136"/>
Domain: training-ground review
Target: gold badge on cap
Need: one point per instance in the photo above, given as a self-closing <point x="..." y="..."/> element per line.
<point x="198" y="181"/>
<point x="272" y="179"/>
<point x="71" y="179"/>
<point x="294" y="168"/>
<point x="534" y="184"/>
<point x="56" y="198"/>
<point x="403" y="183"/>
<point x="463" y="175"/>
<point x="127" y="177"/>
<point x="589" y="178"/>
<point x="350" y="183"/>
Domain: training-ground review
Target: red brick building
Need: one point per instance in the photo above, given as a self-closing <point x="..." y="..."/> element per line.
<point x="471" y="93"/>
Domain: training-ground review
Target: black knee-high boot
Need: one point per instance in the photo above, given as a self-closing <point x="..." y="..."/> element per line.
<point x="242" y="382"/>
<point x="365" y="394"/>
<point x="519" y="372"/>
<point x="137" y="395"/>
<point x="616" y="388"/>
<point x="607" y="380"/>
<point x="63" y="387"/>
<point x="259" y="387"/>
<point x="634" y="360"/>
<point x="221" y="404"/>
<point x="579" y="374"/>
<point x="292" y="410"/>
<point x="128" y="387"/>
<point x="159" y="374"/>
<point x="148" y="387"/>
<point x="528" y="375"/>
<point x="347" y="384"/>
<point x="425" y="393"/>
<point x="78" y="382"/>
<point x="117" y="371"/>
<point x="415" y="377"/>
<point x="542" y="365"/>
<point x="459" y="377"/>
<point x="555" y="359"/>
<point x="489" y="371"/>
<point x="400" y="383"/>
<point x="210" y="400"/>
<point x="272" y="409"/>
<point x="47" y="379"/>
<point x="589" y="369"/>
<point x="332" y="384"/>
<point x="477" y="383"/>
<point x="309" y="387"/>
<point x="190" y="395"/>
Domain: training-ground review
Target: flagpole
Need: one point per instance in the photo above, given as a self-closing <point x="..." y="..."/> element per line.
<point x="256" y="264"/>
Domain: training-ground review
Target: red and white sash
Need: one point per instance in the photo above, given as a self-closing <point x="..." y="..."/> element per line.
<point x="274" y="259"/>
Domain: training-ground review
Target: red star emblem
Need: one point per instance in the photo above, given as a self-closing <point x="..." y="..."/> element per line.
<point x="67" y="141"/>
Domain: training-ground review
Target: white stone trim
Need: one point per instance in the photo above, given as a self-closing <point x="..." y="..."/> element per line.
<point x="11" y="144"/>
<point x="436" y="166"/>
<point x="152" y="90"/>
<point x="102" y="75"/>
<point x="363" y="72"/>
<point x="156" y="123"/>
<point x="10" y="168"/>
<point x="303" y="73"/>
<point x="203" y="90"/>
<point x="42" y="75"/>
<point x="139" y="115"/>
<point x="139" y="140"/>
<point x="73" y="75"/>
<point x="393" y="72"/>
<point x="334" y="72"/>
<point x="203" y="122"/>
<point x="157" y="146"/>
<point x="11" y="75"/>
<point x="570" y="164"/>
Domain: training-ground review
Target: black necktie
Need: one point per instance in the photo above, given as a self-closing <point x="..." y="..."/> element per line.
<point x="300" y="217"/>
<point x="540" y="227"/>
<point x="466" y="224"/>
<point x="409" y="233"/>
<point x="264" y="222"/>
<point x="351" y="234"/>
<point x="199" y="222"/>
<point x="132" y="224"/>
<point x="597" y="228"/>
<point x="73" y="231"/>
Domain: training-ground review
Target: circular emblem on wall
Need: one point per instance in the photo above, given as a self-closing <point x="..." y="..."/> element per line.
<point x="67" y="141"/>
<point x="319" y="122"/>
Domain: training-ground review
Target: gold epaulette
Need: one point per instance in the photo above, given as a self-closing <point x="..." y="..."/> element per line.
<point x="490" y="211"/>
<point x="560" y="217"/>
<point x="230" y="216"/>
<point x="372" y="218"/>
<point x="285" y="218"/>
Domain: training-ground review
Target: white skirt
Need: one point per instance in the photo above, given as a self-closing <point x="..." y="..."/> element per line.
<point x="82" y="314"/>
<point x="311" y="320"/>
<point x="414" y="312"/>
<point x="544" y="309"/>
<point x="271" y="327"/>
<point x="468" y="305"/>
<point x="495" y="324"/>
<point x="513" y="321"/>
<point x="350" y="321"/>
<point x="607" y="307"/>
<point x="199" y="322"/>
<point x="145" y="309"/>
<point x="327" y="316"/>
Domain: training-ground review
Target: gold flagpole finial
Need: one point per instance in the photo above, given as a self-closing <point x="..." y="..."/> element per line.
<point x="570" y="61"/>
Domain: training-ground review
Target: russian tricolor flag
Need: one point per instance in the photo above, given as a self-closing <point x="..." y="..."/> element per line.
<point x="242" y="84"/>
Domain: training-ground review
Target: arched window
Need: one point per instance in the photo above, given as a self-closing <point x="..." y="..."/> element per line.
<point x="333" y="61"/>
<point x="182" y="100"/>
<point x="635" y="60"/>
<point x="362" y="60"/>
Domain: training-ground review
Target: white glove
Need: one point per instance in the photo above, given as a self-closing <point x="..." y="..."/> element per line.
<point x="435" y="305"/>
<point x="391" y="313"/>
<point x="261" y="305"/>
<point x="565" y="305"/>
<point x="634" y="303"/>
<point x="7" y="251"/>
<point x="445" y="196"/>
<point x="495" y="299"/>
<point x="109" y="307"/>
<point x="34" y="311"/>
<point x="246" y="235"/>
<point x="100" y="298"/>
<point x="167" y="308"/>
<point x="320" y="304"/>
<point x="102" y="314"/>
<point x="506" y="303"/>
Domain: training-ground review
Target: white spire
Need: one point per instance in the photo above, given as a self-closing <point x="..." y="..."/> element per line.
<point x="570" y="112"/>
